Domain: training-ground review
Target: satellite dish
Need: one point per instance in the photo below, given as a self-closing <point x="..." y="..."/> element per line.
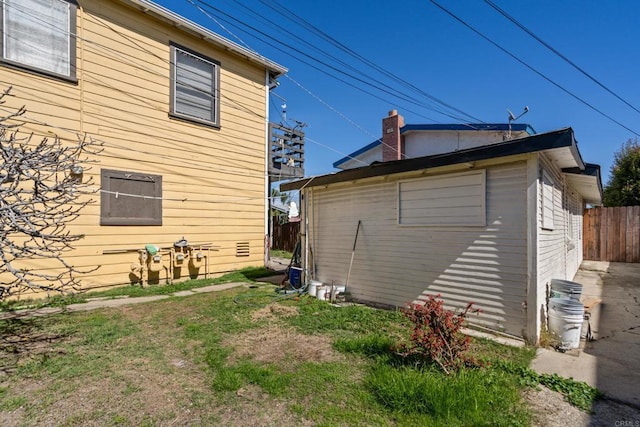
<point x="512" y="117"/>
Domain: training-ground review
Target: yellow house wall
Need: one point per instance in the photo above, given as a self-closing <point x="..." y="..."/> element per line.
<point x="213" y="178"/>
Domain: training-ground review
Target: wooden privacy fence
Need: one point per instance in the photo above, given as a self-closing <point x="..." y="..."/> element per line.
<point x="612" y="234"/>
<point x="285" y="236"/>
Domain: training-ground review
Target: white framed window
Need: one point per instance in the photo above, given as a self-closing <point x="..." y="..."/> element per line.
<point x="195" y="81"/>
<point x="39" y="35"/>
<point x="456" y="199"/>
<point x="548" y="208"/>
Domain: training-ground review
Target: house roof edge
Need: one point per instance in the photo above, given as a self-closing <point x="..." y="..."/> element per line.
<point x="147" y="6"/>
<point x="560" y="138"/>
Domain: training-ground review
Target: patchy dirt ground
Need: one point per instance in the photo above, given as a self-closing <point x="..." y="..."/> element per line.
<point x="276" y="343"/>
<point x="550" y="409"/>
<point x="161" y="381"/>
<point x="167" y="386"/>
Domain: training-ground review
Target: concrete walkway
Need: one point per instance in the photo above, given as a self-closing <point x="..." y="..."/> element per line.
<point x="95" y="303"/>
<point x="278" y="265"/>
<point x="611" y="362"/>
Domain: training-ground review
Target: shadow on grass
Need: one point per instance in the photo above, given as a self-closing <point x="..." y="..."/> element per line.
<point x="23" y="338"/>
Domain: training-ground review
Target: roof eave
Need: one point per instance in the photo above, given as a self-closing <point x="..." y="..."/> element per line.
<point x="462" y="127"/>
<point x="358" y="152"/>
<point x="149" y="7"/>
<point x="588" y="182"/>
<point x="557" y="140"/>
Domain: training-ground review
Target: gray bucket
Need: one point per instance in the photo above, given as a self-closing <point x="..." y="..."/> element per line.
<point x="566" y="316"/>
<point x="565" y="289"/>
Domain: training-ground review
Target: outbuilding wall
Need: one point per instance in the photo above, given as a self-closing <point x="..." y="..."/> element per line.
<point x="559" y="248"/>
<point x="395" y="264"/>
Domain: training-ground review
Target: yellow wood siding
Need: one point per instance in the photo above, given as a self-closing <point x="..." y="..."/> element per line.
<point x="213" y="178"/>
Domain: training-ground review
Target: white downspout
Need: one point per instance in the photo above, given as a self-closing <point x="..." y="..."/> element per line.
<point x="536" y="295"/>
<point x="308" y="269"/>
<point x="267" y="149"/>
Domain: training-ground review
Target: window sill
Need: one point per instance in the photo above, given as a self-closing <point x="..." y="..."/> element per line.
<point x="38" y="72"/>
<point x="195" y="120"/>
<point x="130" y="222"/>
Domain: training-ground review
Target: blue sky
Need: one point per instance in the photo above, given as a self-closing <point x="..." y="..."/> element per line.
<point x="420" y="43"/>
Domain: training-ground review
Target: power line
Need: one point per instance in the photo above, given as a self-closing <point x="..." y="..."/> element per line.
<point x="290" y="15"/>
<point x="568" y="92"/>
<point x="117" y="56"/>
<point x="134" y="44"/>
<point x="552" y="49"/>
<point x="311" y="140"/>
<point x="315" y="96"/>
<point x="323" y="102"/>
<point x="325" y="53"/>
<point x="380" y="86"/>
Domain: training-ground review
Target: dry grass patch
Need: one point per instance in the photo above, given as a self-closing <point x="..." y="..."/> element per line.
<point x="276" y="343"/>
<point x="274" y="311"/>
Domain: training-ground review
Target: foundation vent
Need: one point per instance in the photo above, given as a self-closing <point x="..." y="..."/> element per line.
<point x="242" y="249"/>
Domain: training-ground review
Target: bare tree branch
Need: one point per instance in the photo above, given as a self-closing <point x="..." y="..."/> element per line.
<point x="40" y="187"/>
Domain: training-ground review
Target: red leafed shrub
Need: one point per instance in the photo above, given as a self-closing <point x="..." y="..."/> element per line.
<point x="436" y="334"/>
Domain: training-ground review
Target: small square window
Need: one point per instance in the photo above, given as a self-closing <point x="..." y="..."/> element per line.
<point x="130" y="198"/>
<point x="194" y="86"/>
<point x="40" y="35"/>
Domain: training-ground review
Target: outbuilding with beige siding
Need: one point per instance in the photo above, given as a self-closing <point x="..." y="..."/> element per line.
<point x="490" y="225"/>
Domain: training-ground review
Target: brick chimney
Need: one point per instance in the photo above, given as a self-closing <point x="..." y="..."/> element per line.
<point x="392" y="144"/>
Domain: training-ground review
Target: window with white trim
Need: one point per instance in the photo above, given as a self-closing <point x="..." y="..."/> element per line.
<point x="456" y="199"/>
<point x="40" y="35"/>
<point x="195" y="83"/>
<point x="548" y="208"/>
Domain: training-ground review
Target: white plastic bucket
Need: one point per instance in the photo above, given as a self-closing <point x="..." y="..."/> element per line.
<point x="565" y="289"/>
<point x="565" y="321"/>
<point x="322" y="292"/>
<point x="313" y="288"/>
<point x="337" y="290"/>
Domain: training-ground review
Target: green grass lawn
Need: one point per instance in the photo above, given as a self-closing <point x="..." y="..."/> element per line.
<point x="280" y="253"/>
<point x="244" y="275"/>
<point x="242" y="357"/>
